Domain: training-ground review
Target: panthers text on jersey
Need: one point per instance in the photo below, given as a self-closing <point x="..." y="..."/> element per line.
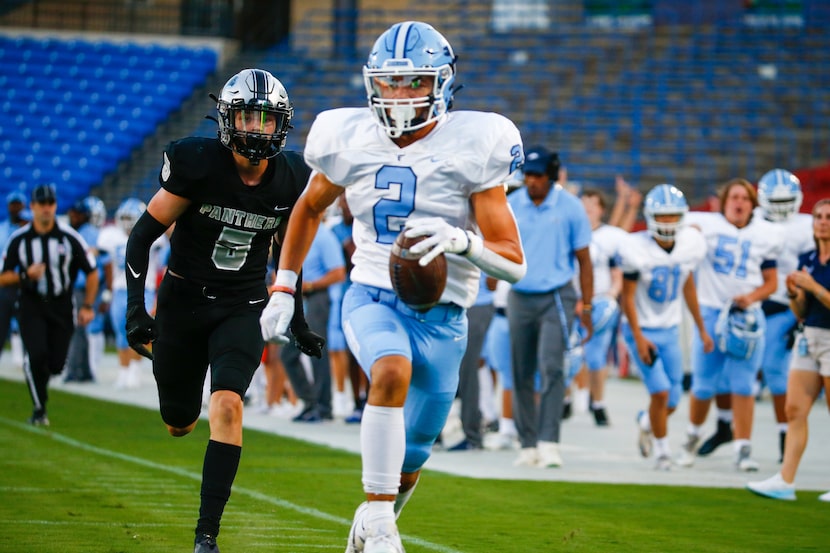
<point x="223" y="238"/>
<point x="661" y="274"/>
<point x="466" y="152"/>
<point x="735" y="256"/>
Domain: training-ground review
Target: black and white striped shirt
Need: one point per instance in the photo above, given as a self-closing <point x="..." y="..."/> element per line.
<point x="63" y="251"/>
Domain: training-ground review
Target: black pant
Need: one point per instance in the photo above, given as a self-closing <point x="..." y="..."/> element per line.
<point x="8" y="309"/>
<point x="46" y="328"/>
<point x="77" y="359"/>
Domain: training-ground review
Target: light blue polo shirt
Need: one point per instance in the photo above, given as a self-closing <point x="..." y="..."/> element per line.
<point x="551" y="232"/>
<point x="324" y="255"/>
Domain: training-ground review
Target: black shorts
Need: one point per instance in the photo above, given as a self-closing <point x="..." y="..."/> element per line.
<point x="198" y="328"/>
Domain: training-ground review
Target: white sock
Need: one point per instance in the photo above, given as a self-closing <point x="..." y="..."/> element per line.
<point x="486" y="394"/>
<point x="693" y="429"/>
<point x="382" y="446"/>
<point x="597" y="405"/>
<point x="379" y="511"/>
<point x="740" y="443"/>
<point x="725" y="415"/>
<point x="661" y="447"/>
<point x="507" y="426"/>
<point x="402" y="498"/>
<point x="782" y="427"/>
<point x="97" y="341"/>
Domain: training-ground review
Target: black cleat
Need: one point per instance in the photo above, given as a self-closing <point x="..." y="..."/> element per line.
<point x="205" y="543"/>
<point x="38" y="419"/>
<point x="723" y="435"/>
<point x="600" y="417"/>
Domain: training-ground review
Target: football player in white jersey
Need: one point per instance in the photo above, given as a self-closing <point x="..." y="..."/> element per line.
<point x="407" y="165"/>
<point x="605" y="311"/>
<point x="779" y="199"/>
<point x="113" y="243"/>
<point x="738" y="273"/>
<point x="658" y="264"/>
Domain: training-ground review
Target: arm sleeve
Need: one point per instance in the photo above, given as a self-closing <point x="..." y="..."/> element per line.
<point x="144" y="233"/>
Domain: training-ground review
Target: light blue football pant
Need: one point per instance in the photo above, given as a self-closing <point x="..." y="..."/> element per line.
<point x="666" y="373"/>
<point x="377" y="324"/>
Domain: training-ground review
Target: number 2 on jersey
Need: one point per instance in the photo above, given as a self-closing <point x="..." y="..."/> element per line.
<point x="389" y="210"/>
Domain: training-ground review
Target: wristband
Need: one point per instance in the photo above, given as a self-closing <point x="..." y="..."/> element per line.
<point x="586" y="306"/>
<point x="791" y="295"/>
<point x="284" y="289"/>
<point x="286" y="278"/>
<point x="86" y="306"/>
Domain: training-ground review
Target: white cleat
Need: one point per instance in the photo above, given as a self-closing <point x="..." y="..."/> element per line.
<point x="744" y="461"/>
<point x="663" y="463"/>
<point x="644" y="438"/>
<point x="384" y="538"/>
<point x="689" y="451"/>
<point x="357" y="533"/>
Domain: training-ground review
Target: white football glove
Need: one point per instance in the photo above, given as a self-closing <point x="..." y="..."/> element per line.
<point x="443" y="238"/>
<point x="276" y="317"/>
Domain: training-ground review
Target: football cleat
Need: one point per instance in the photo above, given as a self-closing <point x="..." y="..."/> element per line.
<point x="774" y="487"/>
<point x="357" y="533"/>
<point x="824" y="497"/>
<point x="600" y="417"/>
<point x="205" y="543"/>
<point x="722" y="435"/>
<point x="744" y="460"/>
<point x="383" y="539"/>
<point x="644" y="438"/>
<point x="689" y="451"/>
<point x="663" y="463"/>
<point x="39" y="420"/>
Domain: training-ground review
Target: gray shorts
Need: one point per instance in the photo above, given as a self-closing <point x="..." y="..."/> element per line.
<point x="818" y="351"/>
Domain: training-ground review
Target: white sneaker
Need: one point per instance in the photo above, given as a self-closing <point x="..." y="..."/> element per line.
<point x="528" y="457"/>
<point x="357" y="533"/>
<point x="644" y="438"/>
<point x="549" y="456"/>
<point x="774" y="487"/>
<point x="500" y="442"/>
<point x="383" y="538"/>
<point x="743" y="460"/>
<point x="133" y="376"/>
<point x="824" y="497"/>
<point x="663" y="463"/>
<point x="689" y="451"/>
<point x="342" y="405"/>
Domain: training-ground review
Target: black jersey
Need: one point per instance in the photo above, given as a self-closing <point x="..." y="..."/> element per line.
<point x="223" y="238"/>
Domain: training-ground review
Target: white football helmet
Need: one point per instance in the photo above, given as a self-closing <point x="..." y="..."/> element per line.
<point x="128" y="213"/>
<point x="402" y="54"/>
<point x="255" y="94"/>
<point x="97" y="211"/>
<point x="779" y="195"/>
<point x="664" y="199"/>
<point x="737" y="331"/>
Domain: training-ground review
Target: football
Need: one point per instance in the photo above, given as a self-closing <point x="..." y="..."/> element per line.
<point x="418" y="287"/>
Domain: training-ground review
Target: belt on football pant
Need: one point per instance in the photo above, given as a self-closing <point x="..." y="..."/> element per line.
<point x="440" y="313"/>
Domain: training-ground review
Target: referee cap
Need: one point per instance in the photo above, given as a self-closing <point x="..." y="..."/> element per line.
<point x="44" y="193"/>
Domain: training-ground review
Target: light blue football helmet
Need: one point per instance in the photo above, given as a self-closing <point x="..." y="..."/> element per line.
<point x="779" y="194"/>
<point x="129" y="212"/>
<point x="737" y="331"/>
<point x="604" y="311"/>
<point x="400" y="55"/>
<point x="97" y="211"/>
<point x="664" y="199"/>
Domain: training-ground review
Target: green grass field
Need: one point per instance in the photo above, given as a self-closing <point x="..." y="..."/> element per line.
<point x="106" y="478"/>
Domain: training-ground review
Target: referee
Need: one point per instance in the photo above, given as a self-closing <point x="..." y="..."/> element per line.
<point x="44" y="258"/>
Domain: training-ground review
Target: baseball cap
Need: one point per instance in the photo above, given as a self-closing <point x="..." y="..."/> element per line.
<point x="16" y="196"/>
<point x="44" y="193"/>
<point x="537" y="160"/>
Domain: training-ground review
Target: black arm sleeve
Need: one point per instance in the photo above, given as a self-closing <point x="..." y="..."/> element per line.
<point x="144" y="233"/>
<point x="298" y="320"/>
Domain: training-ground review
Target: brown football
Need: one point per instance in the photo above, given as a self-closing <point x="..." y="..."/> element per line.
<point x="418" y="287"/>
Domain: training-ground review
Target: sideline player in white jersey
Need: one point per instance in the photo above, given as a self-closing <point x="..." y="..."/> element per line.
<point x="779" y="199"/>
<point x="112" y="241"/>
<point x="658" y="264"/>
<point x="406" y="164"/>
<point x="738" y="273"/>
<point x="605" y="311"/>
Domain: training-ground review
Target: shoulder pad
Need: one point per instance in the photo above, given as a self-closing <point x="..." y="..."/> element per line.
<point x="192" y="158"/>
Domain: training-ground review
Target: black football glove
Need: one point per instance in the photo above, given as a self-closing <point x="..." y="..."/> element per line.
<point x="141" y="329"/>
<point x="308" y="341"/>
